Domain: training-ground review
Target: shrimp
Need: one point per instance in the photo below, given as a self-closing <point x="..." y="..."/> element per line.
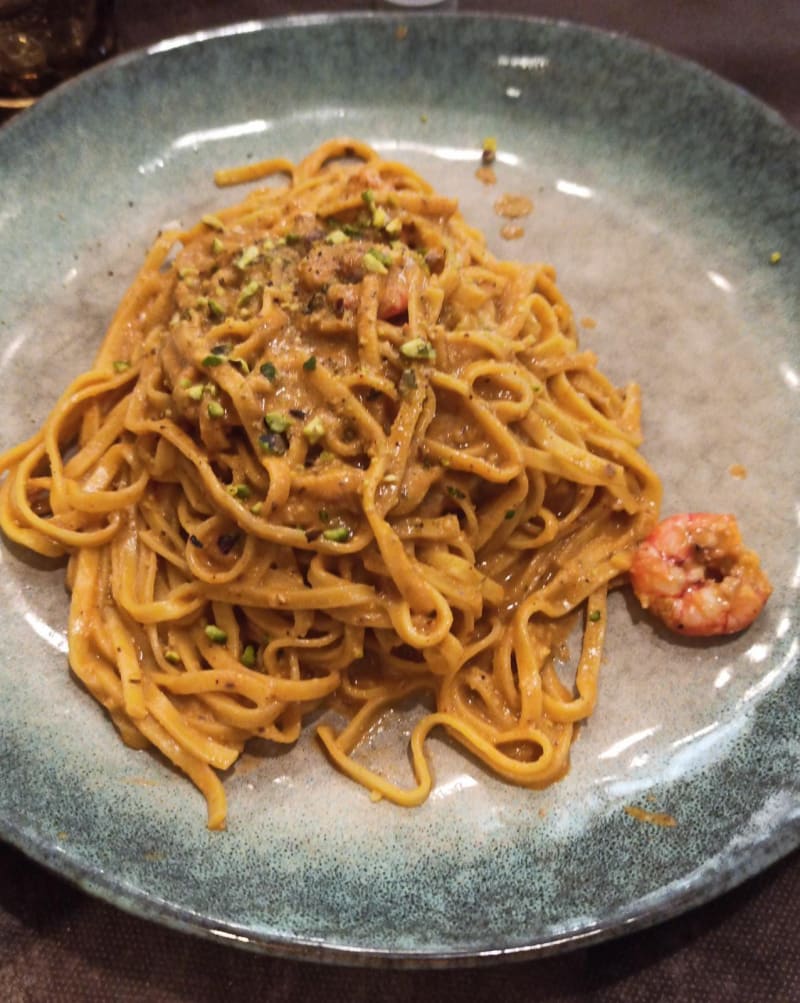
<point x="694" y="573"/>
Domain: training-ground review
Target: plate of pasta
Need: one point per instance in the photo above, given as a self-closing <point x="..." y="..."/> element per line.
<point x="421" y="474"/>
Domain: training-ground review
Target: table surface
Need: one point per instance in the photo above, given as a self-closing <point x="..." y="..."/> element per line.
<point x="58" y="943"/>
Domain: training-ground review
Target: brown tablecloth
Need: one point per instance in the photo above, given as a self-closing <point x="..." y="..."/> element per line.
<point x="56" y="943"/>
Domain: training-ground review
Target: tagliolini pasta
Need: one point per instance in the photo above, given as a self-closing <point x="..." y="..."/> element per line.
<point x="333" y="450"/>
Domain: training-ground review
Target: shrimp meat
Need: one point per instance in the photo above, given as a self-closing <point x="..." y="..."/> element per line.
<point x="695" y="574"/>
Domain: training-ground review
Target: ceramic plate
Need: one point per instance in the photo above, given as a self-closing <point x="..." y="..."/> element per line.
<point x="660" y="194"/>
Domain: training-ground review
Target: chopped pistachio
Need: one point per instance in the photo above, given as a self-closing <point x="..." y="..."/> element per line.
<point x="381" y="255"/>
<point x="195" y="392"/>
<point x="213" y="221"/>
<point x="310" y="364"/>
<point x="121" y="366"/>
<point x="172" y="657"/>
<point x="775" y="257"/>
<point x="336" y="237"/>
<point x="314" y="430"/>
<point x="248" y="292"/>
<point x="276" y="421"/>
<point x="340" y="534"/>
<point x="268" y="370"/>
<point x="368" y="197"/>
<point x="247" y="257"/>
<point x="239" y="490"/>
<point x="216" y="246"/>
<point x="248" y="658"/>
<point x="418" y="348"/>
<point x="256" y="509"/>
<point x="324" y="515"/>
<point x="215" y="410"/>
<point x="213" y="360"/>
<point x="594" y="616"/>
<point x="373" y="264"/>
<point x="216" y="309"/>
<point x="394" y="226"/>
<point x="510" y="513"/>
<point x="379" y="217"/>
<point x="215" y="634"/>
<point x="187" y="273"/>
<point x="241" y="365"/>
<point x="185" y="383"/>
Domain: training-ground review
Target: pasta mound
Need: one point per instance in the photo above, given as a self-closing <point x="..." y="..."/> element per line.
<point x="332" y="449"/>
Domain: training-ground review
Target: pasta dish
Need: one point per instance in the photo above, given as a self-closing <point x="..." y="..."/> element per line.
<point x="333" y="453"/>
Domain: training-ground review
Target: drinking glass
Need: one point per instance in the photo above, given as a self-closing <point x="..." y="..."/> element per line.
<point x="43" y="42"/>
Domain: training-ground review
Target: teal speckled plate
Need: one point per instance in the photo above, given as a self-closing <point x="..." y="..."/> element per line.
<point x="660" y="193"/>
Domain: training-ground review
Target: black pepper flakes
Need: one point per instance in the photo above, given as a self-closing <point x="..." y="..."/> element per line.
<point x="227" y="541"/>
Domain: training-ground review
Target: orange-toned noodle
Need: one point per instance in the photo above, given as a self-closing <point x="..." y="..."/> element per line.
<point x="333" y="448"/>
